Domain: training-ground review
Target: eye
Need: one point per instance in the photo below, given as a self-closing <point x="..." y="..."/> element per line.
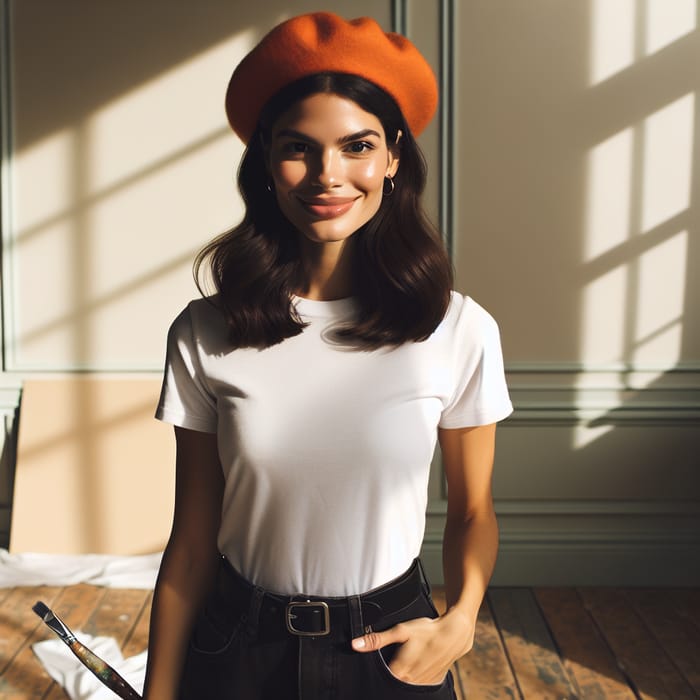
<point x="360" y="147"/>
<point x="296" y="147"/>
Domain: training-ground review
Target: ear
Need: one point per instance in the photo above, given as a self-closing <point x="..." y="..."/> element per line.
<point x="393" y="159"/>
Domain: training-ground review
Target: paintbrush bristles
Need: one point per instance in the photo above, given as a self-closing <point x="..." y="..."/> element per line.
<point x="41" y="609"/>
<point x="54" y="622"/>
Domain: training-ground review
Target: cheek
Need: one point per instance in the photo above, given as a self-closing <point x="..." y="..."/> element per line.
<point x="370" y="177"/>
<point x="288" y="173"/>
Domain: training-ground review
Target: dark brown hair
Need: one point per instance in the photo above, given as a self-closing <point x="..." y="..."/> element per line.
<point x="402" y="275"/>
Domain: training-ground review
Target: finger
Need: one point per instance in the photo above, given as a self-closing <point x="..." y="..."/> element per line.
<point x="376" y="640"/>
<point x="419" y="668"/>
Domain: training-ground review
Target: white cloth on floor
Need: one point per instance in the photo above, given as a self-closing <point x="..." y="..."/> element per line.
<point x="33" y="569"/>
<point x="80" y="684"/>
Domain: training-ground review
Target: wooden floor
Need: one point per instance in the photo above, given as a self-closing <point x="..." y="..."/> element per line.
<point x="531" y="644"/>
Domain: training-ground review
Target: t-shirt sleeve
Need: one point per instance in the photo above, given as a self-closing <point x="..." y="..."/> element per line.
<point x="481" y="395"/>
<point x="185" y="399"/>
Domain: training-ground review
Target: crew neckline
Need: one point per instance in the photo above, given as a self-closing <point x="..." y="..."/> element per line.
<point x="324" y="309"/>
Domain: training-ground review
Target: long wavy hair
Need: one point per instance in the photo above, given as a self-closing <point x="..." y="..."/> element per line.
<point x="401" y="274"/>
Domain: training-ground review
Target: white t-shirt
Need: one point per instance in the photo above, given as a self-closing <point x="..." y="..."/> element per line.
<point x="326" y="450"/>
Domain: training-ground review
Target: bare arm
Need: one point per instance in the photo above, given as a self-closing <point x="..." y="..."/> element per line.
<point x="430" y="647"/>
<point x="470" y="541"/>
<point x="189" y="563"/>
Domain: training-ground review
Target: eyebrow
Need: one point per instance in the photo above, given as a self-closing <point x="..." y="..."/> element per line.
<point x="364" y="133"/>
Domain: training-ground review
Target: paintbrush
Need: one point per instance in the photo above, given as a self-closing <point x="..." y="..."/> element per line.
<point x="89" y="659"/>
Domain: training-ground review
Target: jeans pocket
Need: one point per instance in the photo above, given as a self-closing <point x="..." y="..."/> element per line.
<point x="383" y="659"/>
<point x="396" y="688"/>
<point x="211" y="663"/>
<point x="215" y="628"/>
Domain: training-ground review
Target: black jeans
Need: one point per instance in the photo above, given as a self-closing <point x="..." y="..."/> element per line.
<point x="242" y="648"/>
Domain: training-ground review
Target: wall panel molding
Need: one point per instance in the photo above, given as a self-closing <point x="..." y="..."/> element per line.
<point x="590" y="508"/>
<point x="415" y="20"/>
<point x="5" y="150"/>
<point x="398" y="16"/>
<point x="572" y="543"/>
<point x="568" y="562"/>
<point x="622" y="368"/>
<point x="447" y="122"/>
<point x="605" y="395"/>
<point x="564" y="540"/>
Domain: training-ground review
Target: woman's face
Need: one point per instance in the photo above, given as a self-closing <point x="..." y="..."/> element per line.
<point x="328" y="161"/>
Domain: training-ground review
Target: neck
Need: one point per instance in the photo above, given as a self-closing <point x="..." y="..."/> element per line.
<point x="328" y="270"/>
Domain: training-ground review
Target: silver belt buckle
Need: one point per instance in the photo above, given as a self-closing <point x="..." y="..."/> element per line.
<point x="290" y="617"/>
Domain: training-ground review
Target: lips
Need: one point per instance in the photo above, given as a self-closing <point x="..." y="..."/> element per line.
<point x="327" y="207"/>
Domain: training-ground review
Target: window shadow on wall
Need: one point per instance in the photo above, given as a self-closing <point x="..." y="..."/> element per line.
<point x="605" y="263"/>
<point x="119" y="153"/>
<point x="579" y="152"/>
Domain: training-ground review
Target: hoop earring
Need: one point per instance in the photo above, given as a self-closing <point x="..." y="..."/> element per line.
<point x="391" y="186"/>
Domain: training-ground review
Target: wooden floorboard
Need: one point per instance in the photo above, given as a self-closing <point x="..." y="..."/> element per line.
<point x="137" y="640"/>
<point x="669" y="623"/>
<point x="585" y="653"/>
<point x="530" y="647"/>
<point x="648" y="666"/>
<point x="531" y="644"/>
<point x="117" y="614"/>
<point x="20" y="672"/>
<point x="485" y="672"/>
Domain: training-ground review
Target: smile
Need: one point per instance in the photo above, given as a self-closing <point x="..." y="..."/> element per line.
<point x="327" y="207"/>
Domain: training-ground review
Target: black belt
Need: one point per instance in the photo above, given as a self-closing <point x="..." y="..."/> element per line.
<point x="313" y="616"/>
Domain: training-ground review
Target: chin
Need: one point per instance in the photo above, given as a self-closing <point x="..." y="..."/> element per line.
<point x="328" y="235"/>
<point x="316" y="237"/>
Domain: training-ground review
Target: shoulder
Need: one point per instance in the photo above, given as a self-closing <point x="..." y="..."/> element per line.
<point x="466" y="316"/>
<point x="200" y="322"/>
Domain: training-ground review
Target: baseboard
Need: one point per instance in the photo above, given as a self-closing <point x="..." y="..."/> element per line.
<point x="635" y="562"/>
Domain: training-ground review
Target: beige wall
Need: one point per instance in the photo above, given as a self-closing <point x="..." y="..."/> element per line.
<point x="564" y="168"/>
<point x="96" y="471"/>
<point x="577" y="148"/>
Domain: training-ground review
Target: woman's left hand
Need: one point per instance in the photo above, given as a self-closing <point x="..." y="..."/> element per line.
<point x="428" y="646"/>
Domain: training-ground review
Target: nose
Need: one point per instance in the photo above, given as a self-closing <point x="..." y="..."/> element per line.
<point x="329" y="169"/>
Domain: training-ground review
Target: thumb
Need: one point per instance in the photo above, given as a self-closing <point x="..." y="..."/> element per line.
<point x="376" y="640"/>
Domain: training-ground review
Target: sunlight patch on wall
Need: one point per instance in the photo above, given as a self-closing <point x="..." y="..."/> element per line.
<point x="46" y="168"/>
<point x="108" y="216"/>
<point x="638" y="199"/>
<point x="623" y="31"/>
<point x="668" y="161"/>
<point x="45" y="273"/>
<point x="660" y="302"/>
<point x="603" y="317"/>
<point x="163" y="116"/>
<point x="586" y="433"/>
<point x="43" y="190"/>
<point x="612" y="38"/>
<point x="667" y="22"/>
<point x="607" y="223"/>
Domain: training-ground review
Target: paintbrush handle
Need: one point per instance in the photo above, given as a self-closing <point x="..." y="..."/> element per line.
<point x="103" y="671"/>
<point x="100" y="668"/>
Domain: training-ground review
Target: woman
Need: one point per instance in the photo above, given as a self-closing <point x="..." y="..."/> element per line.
<point x="308" y="393"/>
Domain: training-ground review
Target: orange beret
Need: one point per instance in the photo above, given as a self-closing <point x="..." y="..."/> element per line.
<point x="323" y="42"/>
